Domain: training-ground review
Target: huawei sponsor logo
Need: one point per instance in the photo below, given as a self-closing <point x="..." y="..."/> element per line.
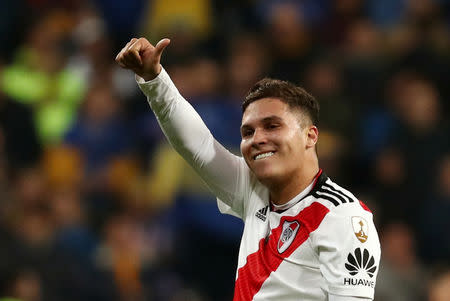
<point x="360" y="262"/>
<point x="363" y="282"/>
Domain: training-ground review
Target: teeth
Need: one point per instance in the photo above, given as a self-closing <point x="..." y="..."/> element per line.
<point x="265" y="155"/>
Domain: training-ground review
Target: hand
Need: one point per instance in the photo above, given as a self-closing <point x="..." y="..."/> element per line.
<point x="140" y="56"/>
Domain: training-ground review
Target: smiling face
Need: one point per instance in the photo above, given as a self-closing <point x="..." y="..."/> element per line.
<point x="274" y="143"/>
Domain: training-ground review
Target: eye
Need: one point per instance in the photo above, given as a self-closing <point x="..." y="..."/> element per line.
<point x="273" y="126"/>
<point x="247" y="133"/>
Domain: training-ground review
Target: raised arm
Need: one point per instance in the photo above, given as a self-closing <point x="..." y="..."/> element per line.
<point x="226" y="174"/>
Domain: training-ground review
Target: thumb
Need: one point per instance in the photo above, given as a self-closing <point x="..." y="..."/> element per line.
<point x="161" y="46"/>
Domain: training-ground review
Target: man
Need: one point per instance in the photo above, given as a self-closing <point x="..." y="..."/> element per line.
<point x="305" y="237"/>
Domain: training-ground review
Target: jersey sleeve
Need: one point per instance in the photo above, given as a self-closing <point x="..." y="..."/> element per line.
<point x="224" y="173"/>
<point x="348" y="248"/>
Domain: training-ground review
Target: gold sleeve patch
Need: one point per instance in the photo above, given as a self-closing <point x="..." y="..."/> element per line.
<point x="360" y="228"/>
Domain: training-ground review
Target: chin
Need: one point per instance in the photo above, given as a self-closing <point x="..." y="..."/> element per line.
<point x="266" y="176"/>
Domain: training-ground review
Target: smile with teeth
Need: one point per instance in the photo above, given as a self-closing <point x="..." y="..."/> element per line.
<point x="263" y="155"/>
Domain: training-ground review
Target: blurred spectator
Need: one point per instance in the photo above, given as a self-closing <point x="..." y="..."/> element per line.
<point x="190" y="16"/>
<point x="28" y="188"/>
<point x="391" y="193"/>
<point x="100" y="132"/>
<point x="122" y="18"/>
<point x="45" y="5"/>
<point x="25" y="285"/>
<point x="386" y="13"/>
<point x="33" y="276"/>
<point x="440" y="286"/>
<point x="421" y="40"/>
<point x="233" y="17"/>
<point x="18" y="141"/>
<point x="63" y="167"/>
<point x="69" y="215"/>
<point x="121" y="253"/>
<point x="434" y="223"/>
<point x="363" y="62"/>
<point x="38" y="78"/>
<point x="401" y="275"/>
<point x="421" y="138"/>
<point x="101" y="135"/>
<point x="289" y="40"/>
<point x="341" y="16"/>
<point x="13" y="23"/>
<point x="247" y="62"/>
<point x="189" y="23"/>
<point x="421" y="11"/>
<point x="380" y="123"/>
<point x="92" y="56"/>
<point x="331" y="150"/>
<point x="93" y="51"/>
<point x="323" y="79"/>
<point x="311" y="11"/>
<point x="131" y="258"/>
<point x="4" y="176"/>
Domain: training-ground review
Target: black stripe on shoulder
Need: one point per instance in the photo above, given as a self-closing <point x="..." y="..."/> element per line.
<point x="320" y="181"/>
<point x="325" y="197"/>
<point x="333" y="193"/>
<point x="339" y="191"/>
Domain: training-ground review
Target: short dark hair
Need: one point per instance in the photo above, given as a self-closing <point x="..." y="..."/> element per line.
<point x="289" y="93"/>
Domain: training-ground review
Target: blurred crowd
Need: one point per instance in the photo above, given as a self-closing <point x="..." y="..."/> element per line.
<point x="95" y="205"/>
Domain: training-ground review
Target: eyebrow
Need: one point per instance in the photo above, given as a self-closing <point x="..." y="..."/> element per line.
<point x="272" y="118"/>
<point x="264" y="120"/>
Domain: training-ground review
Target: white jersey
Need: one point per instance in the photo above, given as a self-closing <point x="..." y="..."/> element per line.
<point x="322" y="243"/>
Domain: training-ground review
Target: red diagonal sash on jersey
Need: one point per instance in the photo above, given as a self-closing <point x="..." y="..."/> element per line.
<point x="267" y="259"/>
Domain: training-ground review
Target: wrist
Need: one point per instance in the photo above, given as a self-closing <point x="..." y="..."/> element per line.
<point x="148" y="76"/>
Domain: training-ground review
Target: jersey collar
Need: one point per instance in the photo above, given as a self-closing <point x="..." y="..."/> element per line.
<point x="318" y="180"/>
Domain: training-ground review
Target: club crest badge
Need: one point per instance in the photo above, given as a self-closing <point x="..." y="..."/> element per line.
<point x="287" y="236"/>
<point x="360" y="228"/>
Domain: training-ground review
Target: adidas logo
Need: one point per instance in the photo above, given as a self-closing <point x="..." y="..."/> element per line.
<point x="360" y="261"/>
<point x="262" y="213"/>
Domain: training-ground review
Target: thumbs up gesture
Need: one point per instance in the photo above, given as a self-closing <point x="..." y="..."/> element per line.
<point x="140" y="56"/>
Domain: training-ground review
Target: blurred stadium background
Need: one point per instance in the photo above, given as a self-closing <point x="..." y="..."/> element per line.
<point x="94" y="205"/>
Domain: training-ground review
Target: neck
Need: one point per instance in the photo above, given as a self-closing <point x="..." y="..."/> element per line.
<point x="282" y="193"/>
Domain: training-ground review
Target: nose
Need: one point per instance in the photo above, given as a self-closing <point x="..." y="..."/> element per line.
<point x="259" y="137"/>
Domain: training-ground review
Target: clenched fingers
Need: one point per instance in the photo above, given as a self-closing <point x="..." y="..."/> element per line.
<point x="132" y="54"/>
<point x="120" y="54"/>
<point x="129" y="56"/>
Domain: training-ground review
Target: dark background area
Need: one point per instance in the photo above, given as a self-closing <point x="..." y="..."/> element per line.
<point x="94" y="205"/>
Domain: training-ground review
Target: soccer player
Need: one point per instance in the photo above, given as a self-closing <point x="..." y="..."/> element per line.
<point x="305" y="237"/>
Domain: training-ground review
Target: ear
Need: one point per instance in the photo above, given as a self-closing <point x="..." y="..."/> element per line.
<point x="313" y="135"/>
